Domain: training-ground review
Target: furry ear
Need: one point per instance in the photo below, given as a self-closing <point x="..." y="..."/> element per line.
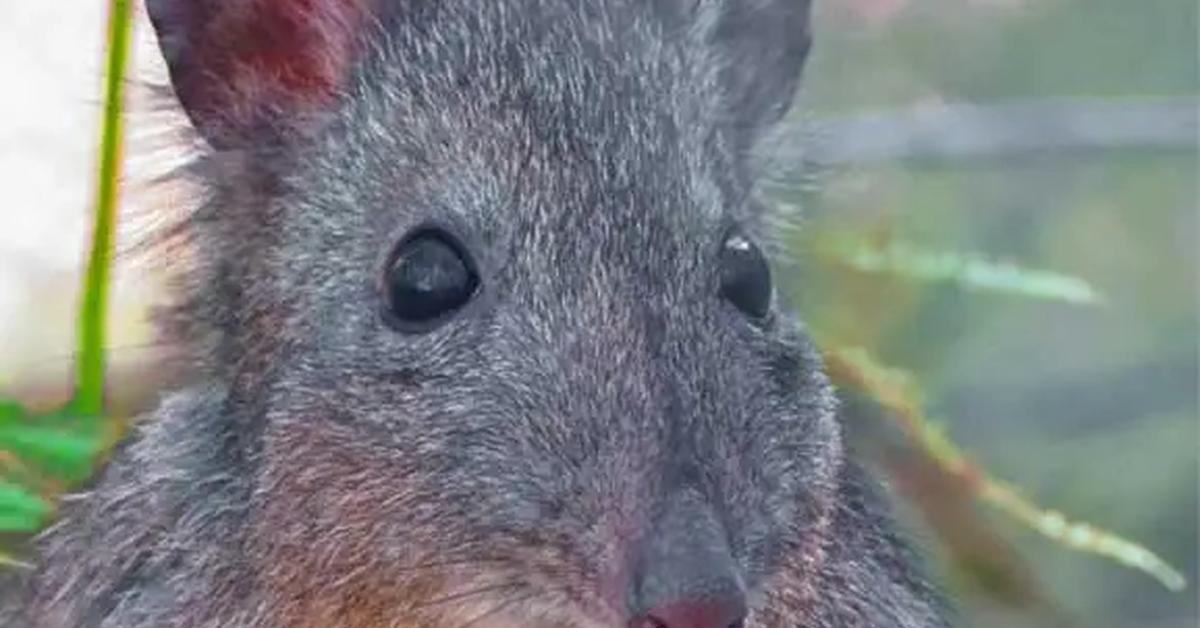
<point x="251" y="71"/>
<point x="763" y="45"/>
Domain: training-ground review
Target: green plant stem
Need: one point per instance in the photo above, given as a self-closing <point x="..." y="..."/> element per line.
<point x="89" y="384"/>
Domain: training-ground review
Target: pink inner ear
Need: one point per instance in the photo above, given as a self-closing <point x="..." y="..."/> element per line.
<point x="250" y="63"/>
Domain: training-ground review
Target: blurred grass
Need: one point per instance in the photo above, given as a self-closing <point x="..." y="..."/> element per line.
<point x="93" y="316"/>
<point x="1092" y="410"/>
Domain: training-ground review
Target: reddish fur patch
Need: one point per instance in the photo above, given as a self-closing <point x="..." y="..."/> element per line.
<point x="240" y="64"/>
<point x="320" y="539"/>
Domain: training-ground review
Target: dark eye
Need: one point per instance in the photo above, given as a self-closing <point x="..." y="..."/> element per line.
<point x="428" y="278"/>
<point x="745" y="276"/>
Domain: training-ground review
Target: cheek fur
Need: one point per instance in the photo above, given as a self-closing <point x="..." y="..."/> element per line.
<point x="321" y="531"/>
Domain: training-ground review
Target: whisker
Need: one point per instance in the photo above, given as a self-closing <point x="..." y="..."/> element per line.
<point x="447" y="563"/>
<point x="463" y="595"/>
<point x="497" y="608"/>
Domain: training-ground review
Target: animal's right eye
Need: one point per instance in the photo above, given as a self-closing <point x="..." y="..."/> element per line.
<point x="745" y="276"/>
<point x="428" y="278"/>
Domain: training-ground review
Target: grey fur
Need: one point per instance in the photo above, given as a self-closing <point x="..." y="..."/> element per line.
<point x="327" y="470"/>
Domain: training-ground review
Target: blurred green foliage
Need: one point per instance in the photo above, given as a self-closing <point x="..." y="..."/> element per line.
<point x="1091" y="409"/>
<point x="44" y="453"/>
<point x="999" y="50"/>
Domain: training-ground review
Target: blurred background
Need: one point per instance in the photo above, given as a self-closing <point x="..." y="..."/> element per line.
<point x="1056" y="135"/>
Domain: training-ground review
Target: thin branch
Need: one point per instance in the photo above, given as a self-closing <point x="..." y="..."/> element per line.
<point x="894" y="391"/>
<point x="958" y="132"/>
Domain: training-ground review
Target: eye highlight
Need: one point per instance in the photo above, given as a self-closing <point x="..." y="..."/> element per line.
<point x="745" y="275"/>
<point x="428" y="278"/>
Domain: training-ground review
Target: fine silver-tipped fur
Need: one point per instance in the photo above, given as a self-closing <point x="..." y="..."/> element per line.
<point x="506" y="467"/>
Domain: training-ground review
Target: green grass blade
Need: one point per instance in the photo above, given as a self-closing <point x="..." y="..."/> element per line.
<point x="971" y="272"/>
<point x="89" y="393"/>
<point x="43" y="452"/>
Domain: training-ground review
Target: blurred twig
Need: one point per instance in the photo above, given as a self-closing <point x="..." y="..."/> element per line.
<point x="899" y="259"/>
<point x="960" y="132"/>
<point x="894" y="390"/>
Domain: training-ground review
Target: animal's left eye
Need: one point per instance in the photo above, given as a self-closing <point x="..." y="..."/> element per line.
<point x="429" y="278"/>
<point x="745" y="275"/>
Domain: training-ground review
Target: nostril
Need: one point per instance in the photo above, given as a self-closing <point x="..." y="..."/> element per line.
<point x="700" y="613"/>
<point x="685" y="575"/>
<point x="650" y="622"/>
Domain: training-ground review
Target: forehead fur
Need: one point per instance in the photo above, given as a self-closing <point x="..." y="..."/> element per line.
<point x="589" y="122"/>
<point x="583" y="131"/>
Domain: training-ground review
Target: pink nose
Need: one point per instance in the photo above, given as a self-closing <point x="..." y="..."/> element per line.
<point x="697" y="613"/>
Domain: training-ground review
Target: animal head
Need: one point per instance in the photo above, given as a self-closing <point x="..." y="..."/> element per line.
<point x="490" y="277"/>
